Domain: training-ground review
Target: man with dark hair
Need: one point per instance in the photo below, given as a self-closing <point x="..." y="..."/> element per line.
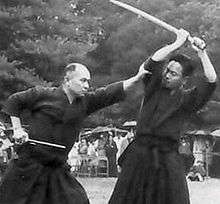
<point x="54" y="115"/>
<point x="152" y="171"/>
<point x="185" y="61"/>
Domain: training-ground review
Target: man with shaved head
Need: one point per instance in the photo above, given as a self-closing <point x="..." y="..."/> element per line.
<point x="54" y="115"/>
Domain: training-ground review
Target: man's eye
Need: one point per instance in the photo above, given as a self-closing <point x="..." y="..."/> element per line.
<point x="83" y="80"/>
<point x="174" y="74"/>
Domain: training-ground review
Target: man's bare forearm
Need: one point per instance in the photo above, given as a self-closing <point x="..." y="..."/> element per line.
<point x="133" y="83"/>
<point x="164" y="52"/>
<point x="208" y="68"/>
<point x="130" y="83"/>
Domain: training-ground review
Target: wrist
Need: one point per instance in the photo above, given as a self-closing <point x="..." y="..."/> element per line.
<point x="201" y="53"/>
<point x="16" y="129"/>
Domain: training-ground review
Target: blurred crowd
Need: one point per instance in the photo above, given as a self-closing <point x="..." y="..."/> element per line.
<point x="92" y="151"/>
<point x="6" y="148"/>
<point x="103" y="150"/>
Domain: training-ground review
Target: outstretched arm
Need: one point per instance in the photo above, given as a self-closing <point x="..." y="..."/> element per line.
<point x="131" y="83"/>
<point x="113" y="93"/>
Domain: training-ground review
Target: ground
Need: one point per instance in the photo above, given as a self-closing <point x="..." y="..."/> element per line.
<point x="100" y="189"/>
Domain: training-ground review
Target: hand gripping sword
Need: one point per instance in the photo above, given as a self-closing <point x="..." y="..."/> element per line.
<point x="152" y="19"/>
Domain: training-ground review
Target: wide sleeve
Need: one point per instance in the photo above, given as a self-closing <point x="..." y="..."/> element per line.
<point x="17" y="102"/>
<point x="152" y="81"/>
<point x="104" y="97"/>
<point x="115" y="147"/>
<point x="155" y="68"/>
<point x="197" y="97"/>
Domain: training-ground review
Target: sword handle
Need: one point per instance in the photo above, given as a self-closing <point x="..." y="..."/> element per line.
<point x="191" y="40"/>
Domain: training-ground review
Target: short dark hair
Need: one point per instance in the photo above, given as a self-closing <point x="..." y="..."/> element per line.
<point x="186" y="62"/>
<point x="70" y="67"/>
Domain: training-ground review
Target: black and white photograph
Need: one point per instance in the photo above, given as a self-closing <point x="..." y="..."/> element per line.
<point x="109" y="101"/>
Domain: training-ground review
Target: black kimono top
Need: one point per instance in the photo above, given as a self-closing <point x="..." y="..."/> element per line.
<point x="163" y="112"/>
<point x="48" y="116"/>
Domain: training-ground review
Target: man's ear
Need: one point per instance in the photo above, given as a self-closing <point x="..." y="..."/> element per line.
<point x="66" y="78"/>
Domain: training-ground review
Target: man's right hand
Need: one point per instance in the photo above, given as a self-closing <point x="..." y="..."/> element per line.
<point x="142" y="72"/>
<point x="20" y="136"/>
<point x="181" y="37"/>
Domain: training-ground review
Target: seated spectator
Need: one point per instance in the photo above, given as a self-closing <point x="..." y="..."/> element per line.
<point x="197" y="172"/>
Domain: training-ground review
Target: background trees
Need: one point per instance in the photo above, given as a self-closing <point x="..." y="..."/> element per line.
<point x="39" y="37"/>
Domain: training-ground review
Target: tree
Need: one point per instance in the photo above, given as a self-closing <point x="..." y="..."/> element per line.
<point x="39" y="37"/>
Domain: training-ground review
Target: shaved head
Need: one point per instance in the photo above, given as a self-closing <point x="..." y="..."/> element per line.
<point x="77" y="78"/>
<point x="77" y="69"/>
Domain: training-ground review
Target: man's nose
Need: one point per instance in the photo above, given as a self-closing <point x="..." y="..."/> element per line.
<point x="86" y="85"/>
<point x="167" y="75"/>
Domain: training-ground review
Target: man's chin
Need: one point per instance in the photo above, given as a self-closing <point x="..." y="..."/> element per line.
<point x="165" y="84"/>
<point x="82" y="93"/>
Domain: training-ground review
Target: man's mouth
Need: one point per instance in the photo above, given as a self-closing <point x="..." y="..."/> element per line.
<point x="84" y="91"/>
<point x="165" y="81"/>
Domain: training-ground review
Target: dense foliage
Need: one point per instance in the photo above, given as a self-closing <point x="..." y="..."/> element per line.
<point x="39" y="37"/>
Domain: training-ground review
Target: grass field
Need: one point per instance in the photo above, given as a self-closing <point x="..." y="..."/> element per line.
<point x="100" y="189"/>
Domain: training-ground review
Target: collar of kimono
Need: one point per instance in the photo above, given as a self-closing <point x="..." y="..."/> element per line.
<point x="69" y="96"/>
<point x="176" y="90"/>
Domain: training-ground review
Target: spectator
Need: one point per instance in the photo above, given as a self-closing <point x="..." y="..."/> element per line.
<point x="73" y="158"/>
<point x="3" y="158"/>
<point x="83" y="147"/>
<point x="6" y="143"/>
<point x="186" y="154"/>
<point x="101" y="146"/>
<point x="93" y="157"/>
<point x="126" y="141"/>
<point x="111" y="151"/>
<point x="197" y="172"/>
<point x="118" y="140"/>
<point x="91" y="149"/>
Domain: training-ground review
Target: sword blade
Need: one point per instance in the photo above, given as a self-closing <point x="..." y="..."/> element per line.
<point x="145" y="15"/>
<point x="150" y="18"/>
<point x="46" y="143"/>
